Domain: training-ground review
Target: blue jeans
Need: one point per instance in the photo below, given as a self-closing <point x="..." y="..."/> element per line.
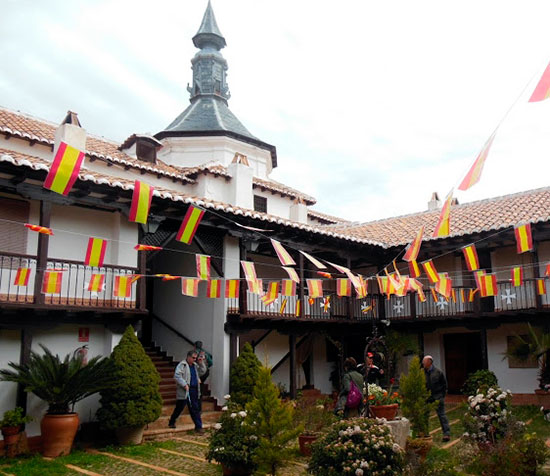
<point x="194" y="408"/>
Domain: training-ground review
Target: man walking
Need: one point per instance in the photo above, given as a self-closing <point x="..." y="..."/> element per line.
<point x="187" y="376"/>
<point x="436" y="383"/>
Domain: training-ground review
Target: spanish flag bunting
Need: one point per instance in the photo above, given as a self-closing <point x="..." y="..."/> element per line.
<point x="474" y="174"/>
<point x="272" y="291"/>
<point x="542" y="89"/>
<point x="414" y="269"/>
<point x="453" y="294"/>
<point x="123" y="286"/>
<point x="135" y="277"/>
<point x="444" y="285"/>
<point x="255" y="286"/>
<point x="421" y="295"/>
<point x="414" y="247"/>
<point x="283" y="306"/>
<point x="471" y="294"/>
<point x="541" y="287"/>
<point x="214" y="288"/>
<point x="140" y="247"/>
<point x="22" y="277"/>
<point x="141" y="202"/>
<point x="488" y="284"/>
<point x="382" y="284"/>
<point x="415" y="285"/>
<point x="470" y="255"/>
<point x="97" y="281"/>
<point x="52" y="282"/>
<point x="95" y="254"/>
<point x="249" y="270"/>
<point x="363" y="289"/>
<point x="434" y="295"/>
<point x="64" y="170"/>
<point x="524" y="238"/>
<point x="292" y="274"/>
<point x="39" y="229"/>
<point x="190" y="287"/>
<point x="203" y="267"/>
<point x="443" y="225"/>
<point x="315" y="288"/>
<point x="517" y="276"/>
<point x="324" y="275"/>
<point x="313" y="260"/>
<point x="477" y="276"/>
<point x="403" y="287"/>
<point x="232" y="288"/>
<point x="343" y="287"/>
<point x="288" y="288"/>
<point x="463" y="294"/>
<point x="311" y="301"/>
<point x="283" y="255"/>
<point x="167" y="277"/>
<point x="189" y="225"/>
<point x="298" y="308"/>
<point x="429" y="269"/>
<point x="547" y="270"/>
<point x="339" y="268"/>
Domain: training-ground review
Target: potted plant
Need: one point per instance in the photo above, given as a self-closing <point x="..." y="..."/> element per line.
<point x="60" y="383"/>
<point x="382" y="403"/>
<point x="315" y="417"/>
<point x="11" y="424"/>
<point x="134" y="399"/>
<point x="244" y="374"/>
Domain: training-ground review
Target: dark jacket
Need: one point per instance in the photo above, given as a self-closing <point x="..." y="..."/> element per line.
<point x="436" y="383"/>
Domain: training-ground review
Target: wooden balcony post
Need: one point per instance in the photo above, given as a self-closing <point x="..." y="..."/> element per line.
<point x="349" y="311"/>
<point x="242" y="288"/>
<point x="292" y="364"/>
<point x="301" y="290"/>
<point x="536" y="272"/>
<point x="142" y="283"/>
<point x="42" y="251"/>
<point x="412" y="303"/>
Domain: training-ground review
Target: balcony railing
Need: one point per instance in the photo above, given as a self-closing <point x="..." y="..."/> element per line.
<point x="74" y="285"/>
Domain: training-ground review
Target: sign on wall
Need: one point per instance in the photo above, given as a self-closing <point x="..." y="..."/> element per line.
<point x="83" y="334"/>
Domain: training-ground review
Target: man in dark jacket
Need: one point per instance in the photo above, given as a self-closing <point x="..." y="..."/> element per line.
<point x="437" y="385"/>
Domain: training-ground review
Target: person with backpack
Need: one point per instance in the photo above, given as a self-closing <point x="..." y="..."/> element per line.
<point x="350" y="398"/>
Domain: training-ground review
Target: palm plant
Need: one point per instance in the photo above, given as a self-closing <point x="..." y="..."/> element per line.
<point x="60" y="383"/>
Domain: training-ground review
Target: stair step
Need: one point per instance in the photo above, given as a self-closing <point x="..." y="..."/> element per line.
<point x="183" y="420"/>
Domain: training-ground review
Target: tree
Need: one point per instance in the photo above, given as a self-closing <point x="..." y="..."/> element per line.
<point x="244" y="375"/>
<point x="273" y="421"/>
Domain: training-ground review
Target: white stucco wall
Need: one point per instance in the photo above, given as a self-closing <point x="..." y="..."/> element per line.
<point x="10" y="345"/>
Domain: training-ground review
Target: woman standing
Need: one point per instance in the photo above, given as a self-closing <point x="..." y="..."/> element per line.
<point x="350" y="398"/>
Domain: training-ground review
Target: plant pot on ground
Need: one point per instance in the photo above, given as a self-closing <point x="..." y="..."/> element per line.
<point x="11" y="425"/>
<point x="316" y="417"/>
<point x="60" y="383"/>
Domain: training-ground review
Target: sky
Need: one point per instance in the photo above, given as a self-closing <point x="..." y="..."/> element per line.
<point x="372" y="106"/>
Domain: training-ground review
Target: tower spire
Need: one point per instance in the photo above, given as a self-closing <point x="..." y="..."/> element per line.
<point x="209" y="33"/>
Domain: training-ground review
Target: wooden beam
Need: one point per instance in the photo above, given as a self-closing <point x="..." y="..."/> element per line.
<point x="42" y="251"/>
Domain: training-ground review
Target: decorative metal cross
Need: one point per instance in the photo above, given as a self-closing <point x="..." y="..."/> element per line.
<point x="398" y="307"/>
<point x="441" y="303"/>
<point x="508" y="296"/>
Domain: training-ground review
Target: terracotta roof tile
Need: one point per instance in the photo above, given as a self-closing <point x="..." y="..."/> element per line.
<point x="329" y="219"/>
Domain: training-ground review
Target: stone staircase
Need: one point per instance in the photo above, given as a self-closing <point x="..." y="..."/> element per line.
<point x="159" y="430"/>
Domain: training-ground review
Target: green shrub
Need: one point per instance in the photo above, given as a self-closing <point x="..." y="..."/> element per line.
<point x="134" y="399"/>
<point x="12" y="418"/>
<point x="244" y="375"/>
<point x="481" y="379"/>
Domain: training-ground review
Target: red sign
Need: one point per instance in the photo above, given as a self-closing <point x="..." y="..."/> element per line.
<point x="83" y="334"/>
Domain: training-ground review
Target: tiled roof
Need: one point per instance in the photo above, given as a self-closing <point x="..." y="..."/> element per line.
<point x="485" y="215"/>
<point x="328" y="219"/>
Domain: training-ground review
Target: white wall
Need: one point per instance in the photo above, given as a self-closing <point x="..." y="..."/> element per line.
<point x="10" y="345"/>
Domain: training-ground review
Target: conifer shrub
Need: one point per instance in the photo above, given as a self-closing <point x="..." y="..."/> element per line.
<point x="479" y="380"/>
<point x="244" y="375"/>
<point x="134" y="398"/>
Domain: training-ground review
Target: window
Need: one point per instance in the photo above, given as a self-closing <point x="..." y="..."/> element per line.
<point x="13" y="235"/>
<point x="260" y="204"/>
<point x="146" y="151"/>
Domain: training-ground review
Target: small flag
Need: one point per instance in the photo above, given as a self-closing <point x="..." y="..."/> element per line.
<point x="123" y="286"/>
<point x="471" y="294"/>
<point x="96" y="283"/>
<point x="315" y="288"/>
<point x="315" y="261"/>
<point x="298" y="308"/>
<point x="429" y="269"/>
<point x="421" y="295"/>
<point x="311" y="301"/>
<point x="203" y="267"/>
<point x="95" y="254"/>
<point x="283" y="306"/>
<point x="362" y="291"/>
<point x="453" y="295"/>
<point x="415" y="285"/>
<point x="324" y="275"/>
<point x="141" y="202"/>
<point x="52" y="282"/>
<point x="255" y="286"/>
<point x="547" y="271"/>
<point x="541" y="287"/>
<point x="542" y="89"/>
<point x="470" y="255"/>
<point x="189" y="225"/>
<point x="213" y="288"/>
<point x="474" y="174"/>
<point x="343" y="287"/>
<point x="443" y="225"/>
<point x="339" y="268"/>
<point x="284" y="256"/>
<point x="288" y="288"/>
<point x="444" y="285"/>
<point x="64" y="170"/>
<point x="140" y="247"/>
<point x="517" y="276"/>
<point x="272" y="293"/>
<point x="39" y="229"/>
<point x="232" y="288"/>
<point x="383" y="284"/>
<point x="413" y="249"/>
<point x="434" y="295"/>
<point x="524" y="239"/>
<point x="414" y="269"/>
<point x="22" y="277"/>
<point x="249" y="270"/>
<point x="167" y="277"/>
<point x="292" y="274"/>
<point x="190" y="287"/>
<point x="488" y="285"/>
<point x="326" y="303"/>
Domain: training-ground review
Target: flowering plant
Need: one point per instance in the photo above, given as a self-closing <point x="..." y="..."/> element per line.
<point x="356" y="447"/>
<point x="378" y="396"/>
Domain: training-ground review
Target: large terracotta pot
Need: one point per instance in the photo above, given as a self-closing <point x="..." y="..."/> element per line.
<point x="58" y="432"/>
<point x="235" y="470"/>
<point x="130" y="435"/>
<point x="305" y="442"/>
<point x="384" y="411"/>
<point x="11" y="434"/>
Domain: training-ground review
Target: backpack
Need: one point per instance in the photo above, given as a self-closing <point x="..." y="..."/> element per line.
<point x="354" y="396"/>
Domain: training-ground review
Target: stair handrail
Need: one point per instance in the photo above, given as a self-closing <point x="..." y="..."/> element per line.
<point x="175" y="331"/>
<point x="287" y="355"/>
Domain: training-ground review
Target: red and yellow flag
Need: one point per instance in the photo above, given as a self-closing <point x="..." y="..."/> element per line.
<point x="249" y="270"/>
<point x="22" y="277"/>
<point x="315" y="288"/>
<point x="547" y="270"/>
<point x="283" y="306"/>
<point x="470" y="255"/>
<point x="429" y="269"/>
<point x="324" y="274"/>
<point x="95" y="254"/>
<point x="255" y="286"/>
<point x="343" y="287"/>
<point x="190" y="287"/>
<point x="283" y="255"/>
<point x="232" y="288"/>
<point x="414" y="269"/>
<point x="39" y="229"/>
<point x="363" y="288"/>
<point x="123" y="286"/>
<point x="434" y="295"/>
<point x="445" y="285"/>
<point x="524" y="239"/>
<point x="141" y="202"/>
<point x="64" y="170"/>
<point x="383" y="284"/>
<point x="189" y="225"/>
<point x="474" y="174"/>
<point x="416" y="285"/>
<point x="313" y="260"/>
<point x="203" y="267"/>
<point x="167" y="277"/>
<point x="541" y="287"/>
<point x="488" y="285"/>
<point x="443" y="225"/>
<point x="517" y="276"/>
<point x="471" y="294"/>
<point x="292" y="274"/>
<point x="298" y="308"/>
<point x="96" y="283"/>
<point x="140" y="247"/>
<point x="272" y="293"/>
<point x="413" y="249"/>
<point x="288" y="288"/>
<point x="214" y="288"/>
<point x="542" y="89"/>
<point x="52" y="282"/>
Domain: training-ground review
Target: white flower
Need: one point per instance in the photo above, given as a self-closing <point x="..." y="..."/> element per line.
<point x="253" y="437"/>
<point x="359" y="472"/>
<point x="227" y="397"/>
<point x="233" y="415"/>
<point x="224" y="409"/>
<point x="242" y="414"/>
<point x="217" y="426"/>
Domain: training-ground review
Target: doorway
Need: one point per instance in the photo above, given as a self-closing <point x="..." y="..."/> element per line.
<point x="462" y="357"/>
